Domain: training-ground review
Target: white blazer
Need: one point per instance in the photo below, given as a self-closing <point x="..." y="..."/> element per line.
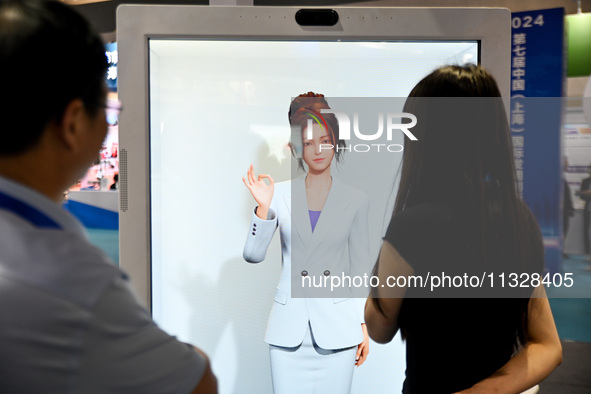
<point x="338" y="246"/>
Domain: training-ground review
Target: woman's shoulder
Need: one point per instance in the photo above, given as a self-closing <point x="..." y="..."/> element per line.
<point x="420" y="221"/>
<point x="284" y="187"/>
<point x="427" y="212"/>
<point x="348" y="192"/>
<point x="528" y="215"/>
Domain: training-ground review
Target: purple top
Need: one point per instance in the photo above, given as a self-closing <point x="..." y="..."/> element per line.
<point x="314" y="215"/>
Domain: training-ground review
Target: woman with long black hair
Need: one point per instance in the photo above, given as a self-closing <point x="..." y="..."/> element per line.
<point x="458" y="211"/>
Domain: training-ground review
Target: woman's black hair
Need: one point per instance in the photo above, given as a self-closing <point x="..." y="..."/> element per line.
<point x="308" y="106"/>
<point x="49" y="56"/>
<point x="464" y="158"/>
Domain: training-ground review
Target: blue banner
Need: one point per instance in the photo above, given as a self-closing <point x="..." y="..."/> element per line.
<point x="537" y="83"/>
<point x="113" y="59"/>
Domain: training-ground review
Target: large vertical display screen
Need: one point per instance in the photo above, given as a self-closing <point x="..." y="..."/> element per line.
<point x="216" y="107"/>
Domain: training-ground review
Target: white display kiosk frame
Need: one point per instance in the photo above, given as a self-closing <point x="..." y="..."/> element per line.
<point x="223" y="319"/>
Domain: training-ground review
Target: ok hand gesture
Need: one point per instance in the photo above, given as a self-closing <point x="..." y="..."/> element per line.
<point x="262" y="193"/>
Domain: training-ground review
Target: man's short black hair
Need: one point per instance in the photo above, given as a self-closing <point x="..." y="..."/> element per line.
<point x="49" y="56"/>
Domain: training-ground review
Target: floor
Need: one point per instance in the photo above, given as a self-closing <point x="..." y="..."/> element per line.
<point x="573" y="376"/>
<point x="573" y="321"/>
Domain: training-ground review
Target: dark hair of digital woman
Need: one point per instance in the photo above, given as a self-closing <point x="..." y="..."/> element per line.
<point x="49" y="56"/>
<point x="301" y="110"/>
<point x="468" y="161"/>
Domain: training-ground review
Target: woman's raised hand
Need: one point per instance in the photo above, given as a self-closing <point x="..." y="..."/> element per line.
<point x="261" y="192"/>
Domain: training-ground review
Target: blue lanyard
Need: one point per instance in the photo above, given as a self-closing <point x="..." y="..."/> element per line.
<point x="27" y="212"/>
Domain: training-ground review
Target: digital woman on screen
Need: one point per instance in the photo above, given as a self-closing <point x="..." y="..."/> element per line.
<point x="314" y="342"/>
<point x="458" y="209"/>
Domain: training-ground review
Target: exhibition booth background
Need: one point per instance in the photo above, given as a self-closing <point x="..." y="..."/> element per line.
<point x="575" y="124"/>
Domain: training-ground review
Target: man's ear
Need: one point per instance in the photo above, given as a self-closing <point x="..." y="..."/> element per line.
<point x="69" y="130"/>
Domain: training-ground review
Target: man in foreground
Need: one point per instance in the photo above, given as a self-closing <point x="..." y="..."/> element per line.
<point x="70" y="322"/>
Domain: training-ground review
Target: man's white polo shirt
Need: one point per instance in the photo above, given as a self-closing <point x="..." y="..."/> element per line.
<point x="69" y="321"/>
